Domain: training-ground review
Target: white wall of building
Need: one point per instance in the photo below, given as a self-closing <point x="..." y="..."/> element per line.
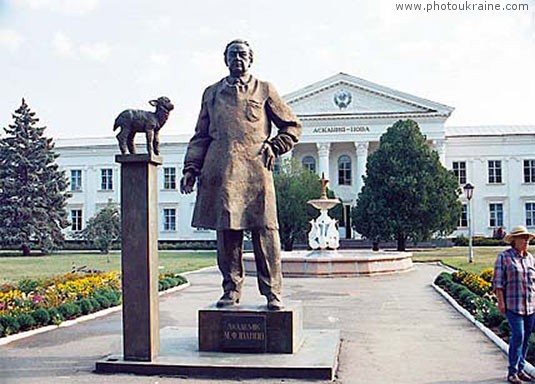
<point x="331" y="130"/>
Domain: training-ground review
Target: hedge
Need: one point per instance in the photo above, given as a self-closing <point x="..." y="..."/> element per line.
<point x="35" y="303"/>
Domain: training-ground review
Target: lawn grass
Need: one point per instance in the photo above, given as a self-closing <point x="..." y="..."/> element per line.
<point x="457" y="257"/>
<point x="15" y="268"/>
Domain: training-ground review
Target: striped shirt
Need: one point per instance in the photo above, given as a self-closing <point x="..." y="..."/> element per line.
<point x="515" y="274"/>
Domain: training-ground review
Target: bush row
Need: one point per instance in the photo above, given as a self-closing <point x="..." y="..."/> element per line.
<point x="462" y="241"/>
<point x="482" y="308"/>
<point x="22" y="315"/>
<point x="22" y="321"/>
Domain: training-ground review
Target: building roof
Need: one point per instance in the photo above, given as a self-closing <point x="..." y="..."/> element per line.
<point x="490" y="130"/>
<point x="112" y="141"/>
<point x="373" y="99"/>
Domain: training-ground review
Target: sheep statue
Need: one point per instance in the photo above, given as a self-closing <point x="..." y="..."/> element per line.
<point x="132" y="121"/>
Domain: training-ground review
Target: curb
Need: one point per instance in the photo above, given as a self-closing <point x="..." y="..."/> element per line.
<point x="81" y="319"/>
<point x="491" y="335"/>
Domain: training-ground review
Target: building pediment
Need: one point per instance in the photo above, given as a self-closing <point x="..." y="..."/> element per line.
<point x="343" y="94"/>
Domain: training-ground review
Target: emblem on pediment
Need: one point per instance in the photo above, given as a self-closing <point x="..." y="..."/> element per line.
<point x="342" y="99"/>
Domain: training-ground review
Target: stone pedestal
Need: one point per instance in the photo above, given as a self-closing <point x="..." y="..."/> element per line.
<point x="251" y="329"/>
<point x="139" y="256"/>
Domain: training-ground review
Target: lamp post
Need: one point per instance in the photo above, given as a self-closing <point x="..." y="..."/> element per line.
<point x="468" y="192"/>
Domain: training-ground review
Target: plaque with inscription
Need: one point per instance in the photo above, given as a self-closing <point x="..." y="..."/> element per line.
<point x="243" y="333"/>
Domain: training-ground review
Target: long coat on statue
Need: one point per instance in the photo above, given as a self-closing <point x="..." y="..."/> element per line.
<point x="235" y="189"/>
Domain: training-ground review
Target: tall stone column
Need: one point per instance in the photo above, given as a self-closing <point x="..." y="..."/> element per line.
<point x="362" y="158"/>
<point x="139" y="256"/>
<point x="323" y="155"/>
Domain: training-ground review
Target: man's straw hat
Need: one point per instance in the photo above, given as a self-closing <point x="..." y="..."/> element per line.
<point x="518" y="231"/>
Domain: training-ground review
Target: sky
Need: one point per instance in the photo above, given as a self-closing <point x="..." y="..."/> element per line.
<point x="79" y="63"/>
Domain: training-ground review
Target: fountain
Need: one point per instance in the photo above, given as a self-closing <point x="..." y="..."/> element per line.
<point x="323" y="233"/>
<point x="325" y="259"/>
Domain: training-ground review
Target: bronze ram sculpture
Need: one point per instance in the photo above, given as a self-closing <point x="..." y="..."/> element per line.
<point x="132" y="121"/>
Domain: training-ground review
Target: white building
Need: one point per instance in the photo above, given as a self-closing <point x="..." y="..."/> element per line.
<point x="343" y="118"/>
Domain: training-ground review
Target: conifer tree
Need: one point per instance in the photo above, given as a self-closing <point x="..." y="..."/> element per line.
<point x="32" y="188"/>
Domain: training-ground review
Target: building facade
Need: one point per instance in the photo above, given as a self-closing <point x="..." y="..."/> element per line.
<point x="343" y="119"/>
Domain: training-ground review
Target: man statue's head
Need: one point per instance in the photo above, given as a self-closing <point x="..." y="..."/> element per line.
<point x="238" y="57"/>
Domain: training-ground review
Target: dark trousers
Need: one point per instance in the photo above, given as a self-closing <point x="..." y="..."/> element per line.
<point x="266" y="246"/>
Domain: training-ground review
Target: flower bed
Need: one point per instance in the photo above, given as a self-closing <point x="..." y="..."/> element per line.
<point x="35" y="303"/>
<point x="474" y="293"/>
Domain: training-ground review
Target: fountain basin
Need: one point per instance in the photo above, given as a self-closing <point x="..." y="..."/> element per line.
<point x="323" y="203"/>
<point x="337" y="263"/>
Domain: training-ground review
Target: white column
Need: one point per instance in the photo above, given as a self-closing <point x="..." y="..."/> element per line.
<point x="362" y="158"/>
<point x="439" y="145"/>
<point x="323" y="155"/>
<point x="90" y="186"/>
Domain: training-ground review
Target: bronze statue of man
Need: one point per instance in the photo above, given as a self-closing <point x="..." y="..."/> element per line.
<point x="232" y="155"/>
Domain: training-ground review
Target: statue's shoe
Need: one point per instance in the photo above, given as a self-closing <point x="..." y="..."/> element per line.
<point x="227" y="300"/>
<point x="274" y="304"/>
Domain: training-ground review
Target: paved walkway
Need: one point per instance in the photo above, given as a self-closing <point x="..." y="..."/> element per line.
<point x="395" y="329"/>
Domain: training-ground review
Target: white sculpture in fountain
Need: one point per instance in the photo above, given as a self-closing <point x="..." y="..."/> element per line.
<point x="324" y="233"/>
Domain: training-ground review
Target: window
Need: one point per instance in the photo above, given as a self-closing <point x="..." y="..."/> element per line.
<point x="76" y="179"/>
<point x="459" y="168"/>
<point x="169" y="178"/>
<point x="309" y="163"/>
<point x="529" y="171"/>
<point x="530" y="214"/>
<point x="344" y="170"/>
<point x="76" y="219"/>
<point x="463" y="220"/>
<point x="495" y="171"/>
<point x="496" y="215"/>
<point x="106" y="179"/>
<point x="169" y="219"/>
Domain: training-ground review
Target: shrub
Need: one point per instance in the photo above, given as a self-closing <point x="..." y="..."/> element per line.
<point x="26" y="321"/>
<point x="113" y="296"/>
<point x="443" y="278"/>
<point x="1" y="330"/>
<point x="69" y="310"/>
<point x="494" y="318"/>
<point x="85" y="306"/>
<point x="483" y="308"/>
<point x="479" y="241"/>
<point x="163" y="285"/>
<point x="466" y="299"/>
<point x="197" y="245"/>
<point x="41" y="316"/>
<point x="56" y="316"/>
<point x="10" y="324"/>
<point x="457" y="289"/>
<point x="28" y="285"/>
<point x="103" y="301"/>
<point x="95" y="304"/>
<point x="504" y="328"/>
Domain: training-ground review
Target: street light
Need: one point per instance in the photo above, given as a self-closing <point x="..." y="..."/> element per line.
<point x="468" y="192"/>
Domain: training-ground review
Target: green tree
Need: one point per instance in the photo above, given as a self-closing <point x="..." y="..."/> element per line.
<point x="407" y="193"/>
<point x="103" y="229"/>
<point x="294" y="186"/>
<point x="32" y="188"/>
